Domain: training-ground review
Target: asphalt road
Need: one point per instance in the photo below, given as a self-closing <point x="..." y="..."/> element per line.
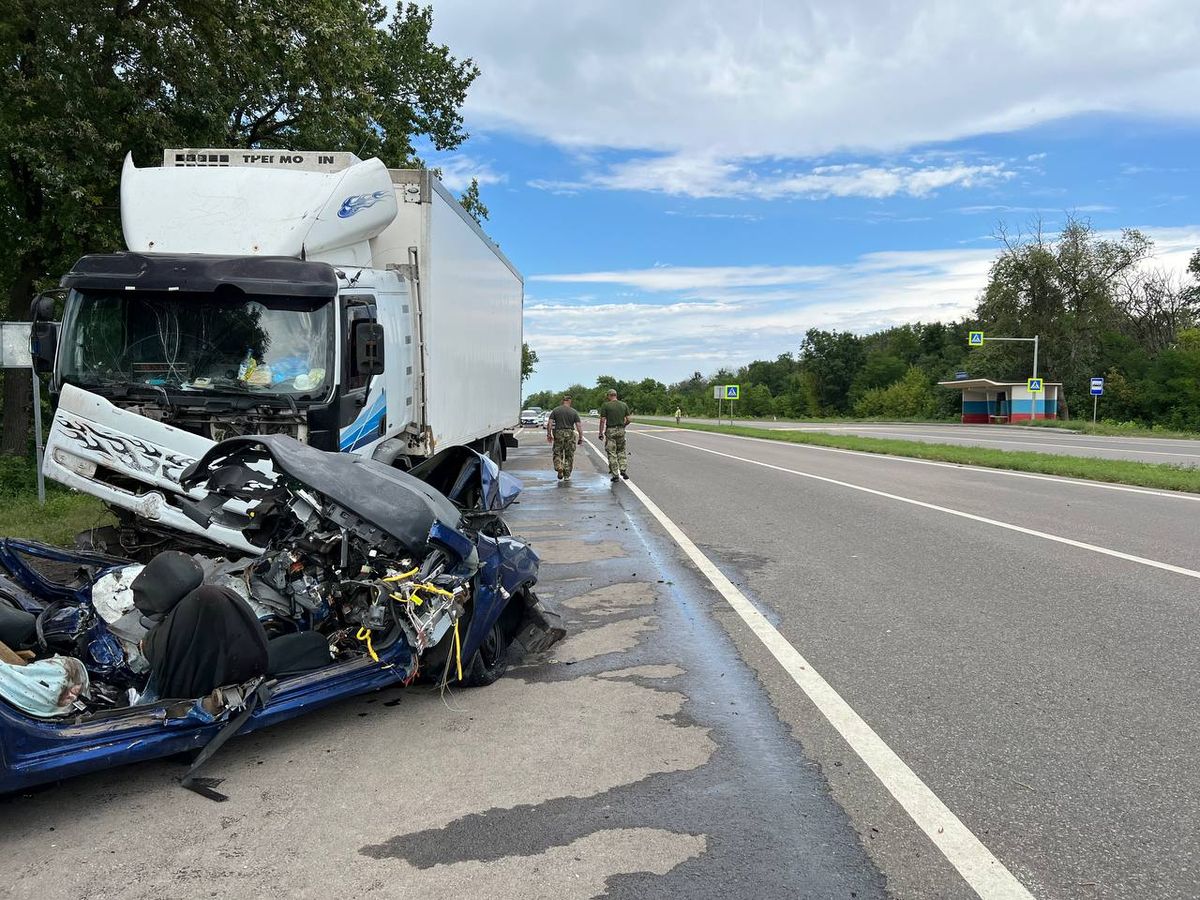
<point x="1026" y="645"/>
<point x="1172" y="451"/>
<point x="640" y="758"/>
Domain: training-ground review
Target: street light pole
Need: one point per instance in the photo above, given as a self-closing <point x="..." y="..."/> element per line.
<point x="1033" y="418"/>
<point x="1034" y="340"/>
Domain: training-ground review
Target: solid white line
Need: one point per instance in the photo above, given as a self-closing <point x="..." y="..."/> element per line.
<point x="986" y="875"/>
<point x="1008" y="526"/>
<point x="987" y="470"/>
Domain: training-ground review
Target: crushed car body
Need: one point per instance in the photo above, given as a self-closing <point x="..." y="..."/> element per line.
<point x="366" y="577"/>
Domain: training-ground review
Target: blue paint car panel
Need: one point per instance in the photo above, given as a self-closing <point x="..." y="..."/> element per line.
<point x="34" y="751"/>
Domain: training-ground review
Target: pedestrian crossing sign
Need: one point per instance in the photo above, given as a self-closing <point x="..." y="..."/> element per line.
<point x="1034" y="385"/>
<point x="732" y="391"/>
<point x="975" y="339"/>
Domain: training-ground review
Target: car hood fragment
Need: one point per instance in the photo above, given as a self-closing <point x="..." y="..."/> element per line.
<point x="405" y="507"/>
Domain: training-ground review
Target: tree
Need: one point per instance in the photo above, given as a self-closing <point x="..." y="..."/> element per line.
<point x="529" y="359"/>
<point x="84" y="83"/>
<point x="1156" y="306"/>
<point x="1062" y="290"/>
<point x="833" y="359"/>
<point x="472" y="204"/>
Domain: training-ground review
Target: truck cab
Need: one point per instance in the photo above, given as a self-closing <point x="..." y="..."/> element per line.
<point x="225" y="346"/>
<point x="348" y="305"/>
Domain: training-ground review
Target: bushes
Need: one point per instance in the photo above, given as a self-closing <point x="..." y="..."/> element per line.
<point x="911" y="397"/>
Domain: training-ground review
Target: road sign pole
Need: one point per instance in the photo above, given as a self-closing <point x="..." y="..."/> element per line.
<point x="975" y="339"/>
<point x="1033" y="417"/>
<point x="1095" y="400"/>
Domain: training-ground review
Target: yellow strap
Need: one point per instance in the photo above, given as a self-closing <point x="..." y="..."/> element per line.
<point x="364" y="634"/>
<point x="402" y="575"/>
<point x="400" y="598"/>
<point x="457" y="650"/>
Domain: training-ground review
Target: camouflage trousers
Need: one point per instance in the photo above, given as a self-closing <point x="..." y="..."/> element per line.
<point x="614" y="446"/>
<point x="564" y="450"/>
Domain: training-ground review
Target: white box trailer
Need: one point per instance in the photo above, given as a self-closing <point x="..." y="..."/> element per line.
<point x="355" y="307"/>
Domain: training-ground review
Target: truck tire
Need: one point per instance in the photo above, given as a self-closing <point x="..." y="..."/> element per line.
<point x="495" y="451"/>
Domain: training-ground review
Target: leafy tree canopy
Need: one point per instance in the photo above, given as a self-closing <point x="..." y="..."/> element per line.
<point x="86" y="82"/>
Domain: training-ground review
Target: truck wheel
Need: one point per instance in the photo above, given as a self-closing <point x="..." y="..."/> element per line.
<point x="490" y="660"/>
<point x="495" y="452"/>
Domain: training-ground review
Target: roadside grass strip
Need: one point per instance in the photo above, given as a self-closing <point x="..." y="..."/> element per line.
<point x="1161" y="476"/>
<point x="64" y="516"/>
<point x="1112" y="429"/>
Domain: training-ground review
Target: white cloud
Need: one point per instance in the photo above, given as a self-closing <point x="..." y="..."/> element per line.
<point x="459" y="168"/>
<point x="706" y="176"/>
<point x="668" y="320"/>
<point x="801" y="78"/>
<point x="1003" y="209"/>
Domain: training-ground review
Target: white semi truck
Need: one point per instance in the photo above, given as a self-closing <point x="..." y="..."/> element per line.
<point x="352" y="306"/>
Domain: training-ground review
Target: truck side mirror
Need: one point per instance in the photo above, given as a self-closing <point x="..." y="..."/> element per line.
<point x="368" y="348"/>
<point x="42" y="308"/>
<point x="43" y="343"/>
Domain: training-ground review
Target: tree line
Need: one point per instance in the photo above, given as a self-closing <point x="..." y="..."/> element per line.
<point x="1097" y="304"/>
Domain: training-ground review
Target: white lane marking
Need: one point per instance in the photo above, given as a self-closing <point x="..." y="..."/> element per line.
<point x="987" y="470"/>
<point x="986" y="875"/>
<point x="1008" y="526"/>
<point x="932" y="439"/>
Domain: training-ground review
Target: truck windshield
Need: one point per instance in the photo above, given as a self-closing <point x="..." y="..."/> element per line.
<point x="198" y="342"/>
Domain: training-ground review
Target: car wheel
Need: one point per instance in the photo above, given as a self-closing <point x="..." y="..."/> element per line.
<point x="490" y="660"/>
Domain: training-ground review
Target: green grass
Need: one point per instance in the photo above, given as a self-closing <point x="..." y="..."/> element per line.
<point x="1117" y="471"/>
<point x="64" y="515"/>
<point x="1117" y="429"/>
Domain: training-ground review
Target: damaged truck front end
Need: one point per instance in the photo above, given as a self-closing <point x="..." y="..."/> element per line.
<point x="349" y="576"/>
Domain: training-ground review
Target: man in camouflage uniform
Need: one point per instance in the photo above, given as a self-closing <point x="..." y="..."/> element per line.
<point x="614" y="416"/>
<point x="564" y="430"/>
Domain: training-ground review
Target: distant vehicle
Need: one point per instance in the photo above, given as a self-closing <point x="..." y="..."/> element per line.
<point x="593" y="412"/>
<point x="530" y="416"/>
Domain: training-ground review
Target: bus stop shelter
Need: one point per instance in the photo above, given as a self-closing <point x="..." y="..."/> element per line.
<point x="987" y="402"/>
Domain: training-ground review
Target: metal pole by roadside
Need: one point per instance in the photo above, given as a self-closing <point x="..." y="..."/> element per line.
<point x="37" y="433"/>
<point x="1033" y="416"/>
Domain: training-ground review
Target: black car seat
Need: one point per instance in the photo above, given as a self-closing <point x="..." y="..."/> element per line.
<point x="18" y="628"/>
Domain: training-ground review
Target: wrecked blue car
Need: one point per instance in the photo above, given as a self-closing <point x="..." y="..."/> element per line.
<point x="368" y="577"/>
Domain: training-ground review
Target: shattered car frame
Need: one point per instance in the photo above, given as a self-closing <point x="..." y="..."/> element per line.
<point x="407" y="575"/>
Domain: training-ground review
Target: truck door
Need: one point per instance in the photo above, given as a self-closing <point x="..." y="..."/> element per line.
<point x="364" y="406"/>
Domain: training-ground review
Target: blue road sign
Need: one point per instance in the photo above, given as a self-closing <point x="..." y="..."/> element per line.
<point x="961" y="376"/>
<point x="1034" y="385"/>
<point x="975" y="339"/>
<point x="1097" y="387"/>
<point x="732" y="391"/>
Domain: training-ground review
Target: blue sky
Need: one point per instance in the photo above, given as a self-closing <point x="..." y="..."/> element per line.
<point x="687" y="185"/>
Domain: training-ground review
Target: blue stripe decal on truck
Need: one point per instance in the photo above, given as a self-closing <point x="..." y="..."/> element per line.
<point x="366" y="427"/>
